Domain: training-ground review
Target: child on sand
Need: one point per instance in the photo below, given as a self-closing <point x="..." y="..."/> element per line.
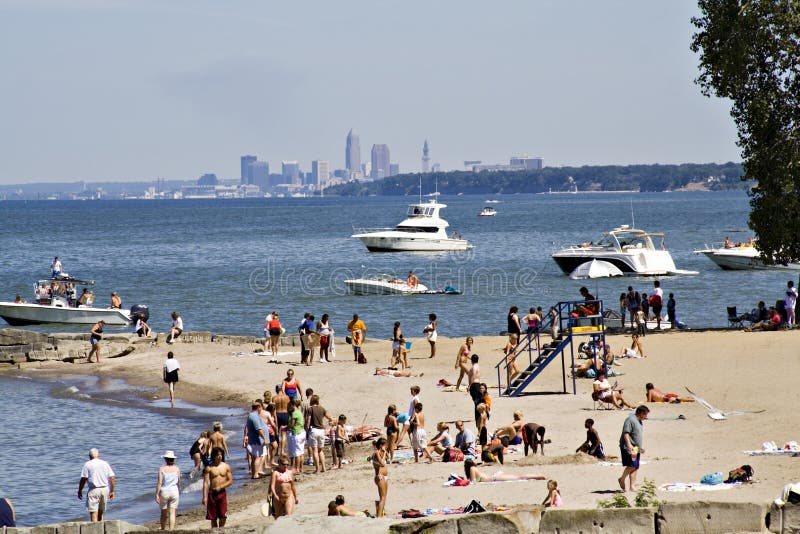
<point x="553" y="495"/>
<point x="338" y="439"/>
<point x="592" y="446"/>
<point x="483" y="434"/>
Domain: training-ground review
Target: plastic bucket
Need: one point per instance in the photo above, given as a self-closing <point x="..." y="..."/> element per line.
<point x="408" y="345"/>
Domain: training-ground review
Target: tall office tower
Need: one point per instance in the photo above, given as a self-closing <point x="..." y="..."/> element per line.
<point x="380" y="161"/>
<point x="352" y="154"/>
<point x="247" y="173"/>
<point x="320" y="173"/>
<point x="260" y="171"/>
<point x="290" y="170"/>
<point x="426" y="159"/>
<point x="394" y="169"/>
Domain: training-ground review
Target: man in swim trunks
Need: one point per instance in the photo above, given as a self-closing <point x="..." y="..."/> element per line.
<point x="631" y="446"/>
<point x="217" y="477"/>
<point x="217" y="439"/>
<point x="656" y="395"/>
<point x="281" y="402"/>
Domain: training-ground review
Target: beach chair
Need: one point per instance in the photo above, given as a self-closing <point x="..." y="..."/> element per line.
<point x="734" y="321"/>
<point x="601" y="404"/>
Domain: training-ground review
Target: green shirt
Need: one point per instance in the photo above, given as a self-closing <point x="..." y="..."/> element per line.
<point x="297" y="423"/>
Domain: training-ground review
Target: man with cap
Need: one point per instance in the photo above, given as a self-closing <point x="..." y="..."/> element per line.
<point x="101" y="479"/>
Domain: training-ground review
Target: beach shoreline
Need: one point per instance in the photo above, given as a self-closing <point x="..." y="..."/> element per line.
<point x="730" y="369"/>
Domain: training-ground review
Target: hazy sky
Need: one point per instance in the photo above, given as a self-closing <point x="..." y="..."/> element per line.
<point x="129" y="90"/>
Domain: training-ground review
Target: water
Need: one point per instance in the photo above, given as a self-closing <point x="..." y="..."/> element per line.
<point x="46" y="443"/>
<point x="223" y="264"/>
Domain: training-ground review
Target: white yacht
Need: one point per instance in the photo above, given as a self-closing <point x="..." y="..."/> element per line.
<point x="487" y="212"/>
<point x="631" y="250"/>
<point x="422" y="231"/>
<point x="386" y="284"/>
<point x="743" y="257"/>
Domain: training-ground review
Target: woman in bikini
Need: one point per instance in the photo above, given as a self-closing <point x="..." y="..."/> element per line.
<point x="392" y="429"/>
<point x="462" y="361"/>
<point x="291" y="386"/>
<point x="274" y="329"/>
<point x="284" y="495"/>
<point x="397" y="343"/>
<point x="476" y="475"/>
<point x="379" y="461"/>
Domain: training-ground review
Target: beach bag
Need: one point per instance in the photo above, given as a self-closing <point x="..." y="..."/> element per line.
<point x="348" y="339"/>
<point x="741" y="474"/>
<point x="361" y="357"/>
<point x="410" y="514"/>
<point x="474" y="507"/>
<point x="453" y="455"/>
<point x="712" y="479"/>
<point x="461" y="482"/>
<point x="655" y="301"/>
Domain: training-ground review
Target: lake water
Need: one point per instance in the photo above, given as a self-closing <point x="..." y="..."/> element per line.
<point x="224" y="264"/>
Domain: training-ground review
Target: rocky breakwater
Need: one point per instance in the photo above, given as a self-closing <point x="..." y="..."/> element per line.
<point x="18" y="347"/>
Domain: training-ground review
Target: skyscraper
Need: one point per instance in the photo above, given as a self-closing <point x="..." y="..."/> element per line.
<point x="352" y="155"/>
<point x="380" y="161"/>
<point x="247" y="173"/>
<point x="426" y="159"/>
<point x="320" y="173"/>
<point x="290" y="170"/>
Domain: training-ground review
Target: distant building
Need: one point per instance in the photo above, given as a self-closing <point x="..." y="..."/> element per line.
<point x="246" y="174"/>
<point x="436" y="167"/>
<point x="320" y="173"/>
<point x="394" y="169"/>
<point x="527" y="163"/>
<point x="380" y="161"/>
<point x="470" y="163"/>
<point x="208" y="179"/>
<point x="366" y="170"/>
<point x="260" y="174"/>
<point x="290" y="170"/>
<point x="341" y="173"/>
<point x="352" y="155"/>
<point x="426" y="158"/>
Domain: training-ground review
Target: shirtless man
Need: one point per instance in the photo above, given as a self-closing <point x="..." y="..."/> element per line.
<point x="281" y="402"/>
<point x="419" y="438"/>
<point x="513" y="431"/>
<point x="217" y="477"/>
<point x="217" y="439"/>
<point x="474" y="378"/>
<point x="656" y="395"/>
<point x="116" y="302"/>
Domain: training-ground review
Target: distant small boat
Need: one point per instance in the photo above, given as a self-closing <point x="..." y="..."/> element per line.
<point x="493" y="201"/>
<point x="487" y="212"/>
<point x="386" y="284"/>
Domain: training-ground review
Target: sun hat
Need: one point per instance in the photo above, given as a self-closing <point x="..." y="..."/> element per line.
<point x="169" y="454"/>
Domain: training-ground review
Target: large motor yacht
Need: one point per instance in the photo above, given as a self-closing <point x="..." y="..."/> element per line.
<point x="743" y="256"/>
<point x="422" y="231"/>
<point x="631" y="250"/>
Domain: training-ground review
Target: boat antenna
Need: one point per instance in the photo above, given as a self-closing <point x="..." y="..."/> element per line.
<point x="633" y="219"/>
<point x="436" y="186"/>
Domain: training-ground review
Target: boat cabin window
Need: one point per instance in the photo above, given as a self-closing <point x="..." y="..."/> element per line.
<point x="420" y="211"/>
<point x="606" y="241"/>
<point x="634" y="241"/>
<point x="430" y="229"/>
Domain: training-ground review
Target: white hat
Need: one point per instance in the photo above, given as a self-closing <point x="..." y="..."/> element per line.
<point x="169" y="454"/>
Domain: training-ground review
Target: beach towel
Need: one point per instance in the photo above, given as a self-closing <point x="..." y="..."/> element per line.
<point x="696" y="486"/>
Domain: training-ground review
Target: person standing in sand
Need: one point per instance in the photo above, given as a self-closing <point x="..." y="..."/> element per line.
<point x="631" y="446"/>
<point x="379" y="463"/>
<point x="94" y="339"/>
<point x="431" y="331"/>
<point x="168" y="489"/>
<point x="254" y="440"/>
<point x="316" y="439"/>
<point x="275" y="330"/>
<point x="474" y="378"/>
<point x="284" y="494"/>
<point x="218" y="476"/>
<point x="296" y="442"/>
<point x="462" y="361"/>
<point x="358" y="331"/>
<point x="281" y="401"/>
<point x="171" y="368"/>
<point x="101" y="479"/>
<point x="217" y="440"/>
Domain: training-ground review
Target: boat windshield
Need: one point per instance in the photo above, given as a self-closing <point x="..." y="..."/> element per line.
<point x="634" y="241"/>
<point x="416" y="210"/>
<point x="427" y="229"/>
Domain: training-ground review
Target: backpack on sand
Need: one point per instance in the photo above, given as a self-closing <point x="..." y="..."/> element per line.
<point x="361" y="357"/>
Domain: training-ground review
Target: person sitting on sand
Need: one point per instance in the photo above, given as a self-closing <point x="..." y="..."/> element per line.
<point x="603" y="391"/>
<point x="441" y="441"/>
<point x="397" y="374"/>
<point x="601" y="362"/>
<point x="337" y="507"/>
<point x="494" y="451"/>
<point x="513" y="431"/>
<point x="592" y="446"/>
<point x="774" y="322"/>
<point x="476" y="475"/>
<point x="656" y="395"/>
<point x="553" y="498"/>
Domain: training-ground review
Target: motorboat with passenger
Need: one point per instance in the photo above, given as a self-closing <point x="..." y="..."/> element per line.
<point x="56" y="301"/>
<point x="629" y="249"/>
<point x="488" y="212"/>
<point x="743" y="256"/>
<point x="386" y="284"/>
<point x="423" y="230"/>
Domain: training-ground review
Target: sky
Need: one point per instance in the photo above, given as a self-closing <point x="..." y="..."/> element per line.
<point x="112" y="90"/>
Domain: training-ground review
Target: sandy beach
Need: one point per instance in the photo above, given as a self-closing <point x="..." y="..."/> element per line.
<point x="730" y="369"/>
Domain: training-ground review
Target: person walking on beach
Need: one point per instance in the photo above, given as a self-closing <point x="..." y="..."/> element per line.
<point x="316" y="439"/>
<point x="281" y="401"/>
<point x="514" y="329"/>
<point x="397" y="346"/>
<point x="284" y="494"/>
<point x="296" y="439"/>
<point x="474" y="380"/>
<point x="379" y="463"/>
<point x="789" y="303"/>
<point x="291" y="386"/>
<point x="671" y="311"/>
<point x="8" y="518"/>
<point x="218" y="476"/>
<point x="94" y="339"/>
<point x="325" y="333"/>
<point x="462" y="361"/>
<point x="275" y="330"/>
<point x="217" y="440"/>
<point x="633" y="300"/>
<point x="431" y="331"/>
<point x="631" y="446"/>
<point x="656" y="302"/>
<point x="254" y="439"/>
<point x="358" y="331"/>
<point x="101" y="480"/>
<point x="171" y="368"/>
<point x="177" y="328"/>
<point x="168" y="489"/>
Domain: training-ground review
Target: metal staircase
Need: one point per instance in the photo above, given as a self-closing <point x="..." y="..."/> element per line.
<point x="541" y="353"/>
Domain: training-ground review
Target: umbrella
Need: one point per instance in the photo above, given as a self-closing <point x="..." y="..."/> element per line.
<point x="595" y="269"/>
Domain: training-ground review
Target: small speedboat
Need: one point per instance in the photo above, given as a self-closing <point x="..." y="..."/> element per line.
<point x="56" y="303"/>
<point x="487" y="212"/>
<point x="743" y="257"/>
<point x="386" y="284"/>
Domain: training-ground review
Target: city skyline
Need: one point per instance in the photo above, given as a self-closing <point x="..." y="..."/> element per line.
<point x="594" y="84"/>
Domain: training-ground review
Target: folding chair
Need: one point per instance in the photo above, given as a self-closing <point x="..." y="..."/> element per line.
<point x="600" y="404"/>
<point x="734" y="321"/>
